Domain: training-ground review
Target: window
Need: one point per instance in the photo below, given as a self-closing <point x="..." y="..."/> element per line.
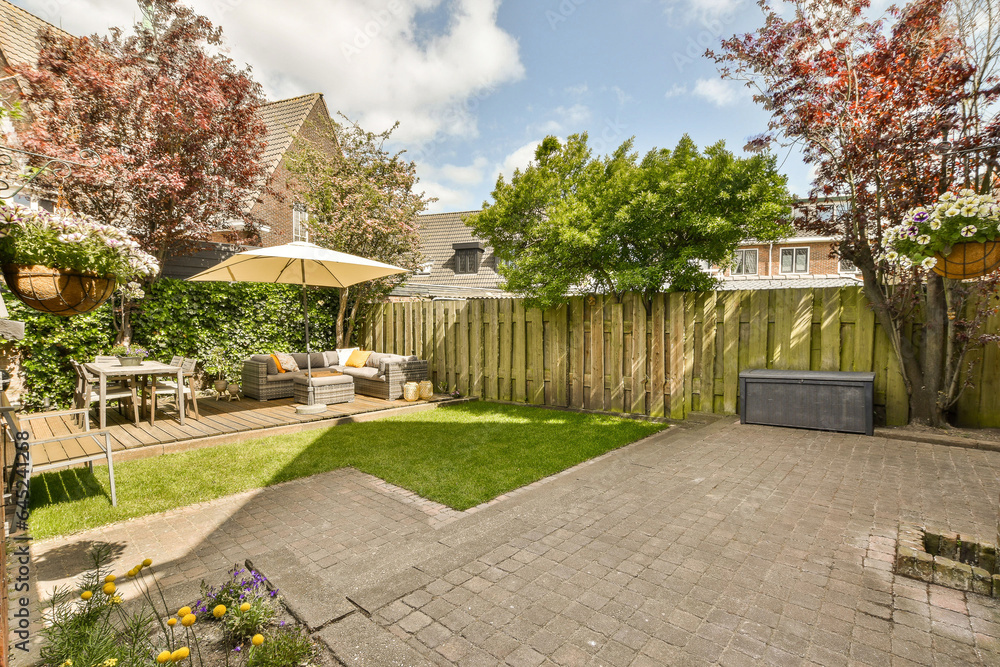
<point x="847" y="266"/>
<point x="467" y="261"/>
<point x="746" y="262"/>
<point x="425" y="269"/>
<point x="300" y="223"/>
<point x="795" y="260"/>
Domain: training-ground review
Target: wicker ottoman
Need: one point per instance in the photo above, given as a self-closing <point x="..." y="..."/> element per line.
<point x="326" y="390"/>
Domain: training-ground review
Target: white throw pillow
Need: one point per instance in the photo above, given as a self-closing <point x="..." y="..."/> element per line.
<point x="345" y="354"/>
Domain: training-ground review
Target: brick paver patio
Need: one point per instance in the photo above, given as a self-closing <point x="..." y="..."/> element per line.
<point x="728" y="544"/>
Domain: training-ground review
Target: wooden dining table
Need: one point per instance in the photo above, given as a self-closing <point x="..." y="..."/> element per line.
<point x="113" y="369"/>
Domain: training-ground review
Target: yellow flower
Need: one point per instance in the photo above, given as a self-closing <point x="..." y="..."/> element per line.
<point x="188" y="620"/>
<point x="116" y="600"/>
<point x="147" y="562"/>
<point x="180" y="654"/>
<point x="163" y="657"/>
<point x="133" y="572"/>
<point x="245" y="606"/>
<point x="172" y="622"/>
<point x="68" y="663"/>
<point x="108" y="579"/>
<point x="86" y="595"/>
<point x="183" y="611"/>
<point x="110" y="662"/>
<point x="108" y="588"/>
<point x="257" y="640"/>
<point x="219" y="611"/>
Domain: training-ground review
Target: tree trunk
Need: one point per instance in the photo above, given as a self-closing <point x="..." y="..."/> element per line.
<point x="341" y="310"/>
<point x="923" y="380"/>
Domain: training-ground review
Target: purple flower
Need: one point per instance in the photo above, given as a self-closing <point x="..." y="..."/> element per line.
<point x="238" y="649"/>
<point x="921" y="217"/>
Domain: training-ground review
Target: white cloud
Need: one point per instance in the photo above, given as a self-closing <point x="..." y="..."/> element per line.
<point x="519" y="159"/>
<point x="564" y="120"/>
<point x="578" y="90"/>
<point x="676" y="90"/>
<point x="719" y="92"/>
<point x="375" y="60"/>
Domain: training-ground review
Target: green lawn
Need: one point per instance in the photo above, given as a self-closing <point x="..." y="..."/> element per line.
<point x="459" y="455"/>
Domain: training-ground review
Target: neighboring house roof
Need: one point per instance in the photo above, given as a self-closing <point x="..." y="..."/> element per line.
<point x="439" y="233"/>
<point x="729" y="283"/>
<point x="19" y="34"/>
<point x="283" y="120"/>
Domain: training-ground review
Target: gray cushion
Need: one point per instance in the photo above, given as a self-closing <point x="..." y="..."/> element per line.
<point x="366" y="372"/>
<point x="331" y="358"/>
<point x="272" y="368"/>
<point x="327" y="380"/>
<point x="283" y="377"/>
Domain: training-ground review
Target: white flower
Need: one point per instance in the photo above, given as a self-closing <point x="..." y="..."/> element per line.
<point x="969" y="230"/>
<point x="952" y="212"/>
<point x="929" y="262"/>
<point x="891" y="256"/>
<point x="935" y="224"/>
<point x="923" y="239"/>
<point x="948" y="196"/>
<point x="967" y="192"/>
<point x="905" y="262"/>
<point x="970" y="211"/>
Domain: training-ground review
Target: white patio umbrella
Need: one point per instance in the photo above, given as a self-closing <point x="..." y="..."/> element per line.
<point x="299" y="263"/>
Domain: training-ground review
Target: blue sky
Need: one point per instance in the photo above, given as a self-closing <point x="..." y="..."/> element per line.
<point x="476" y="84"/>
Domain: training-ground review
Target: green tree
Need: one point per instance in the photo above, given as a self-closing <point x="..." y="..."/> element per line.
<point x="573" y="222"/>
<point x="361" y="200"/>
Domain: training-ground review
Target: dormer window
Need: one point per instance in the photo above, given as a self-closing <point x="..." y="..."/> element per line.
<point x="468" y="256"/>
<point x="425" y="269"/>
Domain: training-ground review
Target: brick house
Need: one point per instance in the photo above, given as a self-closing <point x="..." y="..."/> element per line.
<point x="459" y="265"/>
<point x="280" y="213"/>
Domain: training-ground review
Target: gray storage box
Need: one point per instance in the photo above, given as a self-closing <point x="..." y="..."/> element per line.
<point x="818" y="400"/>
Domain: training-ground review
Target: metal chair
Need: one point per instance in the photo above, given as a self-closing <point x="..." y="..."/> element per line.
<point x="85" y="393"/>
<point x="169" y="388"/>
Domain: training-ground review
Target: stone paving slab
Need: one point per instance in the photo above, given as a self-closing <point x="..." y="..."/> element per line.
<point x="357" y="641"/>
<point x="727" y="544"/>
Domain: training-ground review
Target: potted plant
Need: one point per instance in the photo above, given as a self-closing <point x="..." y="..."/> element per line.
<point x="66" y="263"/>
<point x="217" y="362"/>
<point x="956" y="238"/>
<point x="129" y="355"/>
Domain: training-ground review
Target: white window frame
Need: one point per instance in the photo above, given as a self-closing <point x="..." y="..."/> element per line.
<point x="756" y="262"/>
<point x="793" y="250"/>
<point x="424" y="269"/>
<point x="300" y="222"/>
<point x="842" y="269"/>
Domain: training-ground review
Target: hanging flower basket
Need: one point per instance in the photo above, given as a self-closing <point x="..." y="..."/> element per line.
<point x="58" y="291"/>
<point x="958" y="237"/>
<point x="968" y="260"/>
<point x="91" y="258"/>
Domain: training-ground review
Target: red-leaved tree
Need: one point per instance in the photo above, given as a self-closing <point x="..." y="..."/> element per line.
<point x="173" y="120"/>
<point x="870" y="103"/>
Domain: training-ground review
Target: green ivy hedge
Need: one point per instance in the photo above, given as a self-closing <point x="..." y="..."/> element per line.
<point x="176" y="317"/>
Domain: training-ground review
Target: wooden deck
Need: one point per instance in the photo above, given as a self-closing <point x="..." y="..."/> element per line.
<point x="221" y="421"/>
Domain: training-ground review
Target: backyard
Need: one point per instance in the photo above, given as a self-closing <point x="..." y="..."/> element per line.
<point x="459" y="455"/>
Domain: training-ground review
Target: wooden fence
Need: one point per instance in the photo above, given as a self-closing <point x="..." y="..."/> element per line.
<point x="683" y="354"/>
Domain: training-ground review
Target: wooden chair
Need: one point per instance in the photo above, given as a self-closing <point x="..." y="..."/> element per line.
<point x="169" y="388"/>
<point x="58" y="451"/>
<point x="120" y="391"/>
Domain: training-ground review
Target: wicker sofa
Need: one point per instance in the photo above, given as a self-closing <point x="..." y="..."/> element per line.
<point x="382" y="376"/>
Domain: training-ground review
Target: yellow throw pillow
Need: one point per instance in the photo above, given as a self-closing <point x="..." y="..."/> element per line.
<point x="358" y="358"/>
